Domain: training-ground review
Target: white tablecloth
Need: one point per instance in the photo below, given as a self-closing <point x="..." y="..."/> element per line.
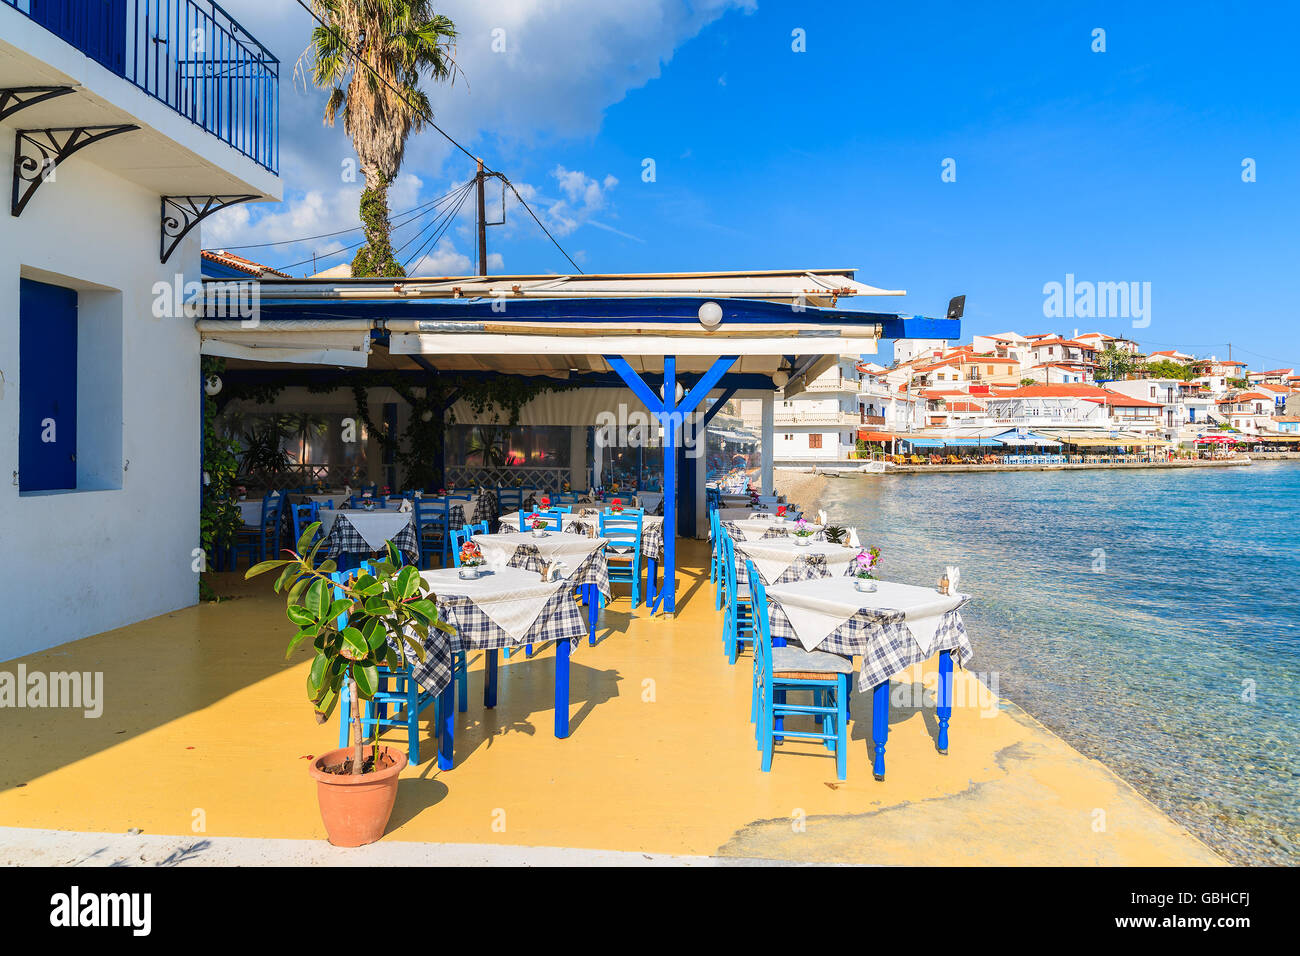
<point x="511" y="597"/>
<point x="754" y="527"/>
<point x="771" y="556"/>
<point x="375" y="527"/>
<point x="251" y="512"/>
<point x="817" y="607"/>
<point x="742" y="514"/>
<point x="571" y="549"/>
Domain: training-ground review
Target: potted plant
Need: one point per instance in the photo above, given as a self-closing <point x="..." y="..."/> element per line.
<point x="371" y="619"/>
<point x="538" y="524"/>
<point x="864" y="569"/>
<point x="616" y="506"/>
<point x="471" y="561"/>
<point x="803" y="534"/>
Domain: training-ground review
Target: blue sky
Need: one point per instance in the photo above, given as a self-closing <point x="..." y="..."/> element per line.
<point x="1115" y="166"/>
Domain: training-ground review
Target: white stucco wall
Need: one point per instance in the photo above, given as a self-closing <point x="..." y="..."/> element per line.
<point x="76" y="563"/>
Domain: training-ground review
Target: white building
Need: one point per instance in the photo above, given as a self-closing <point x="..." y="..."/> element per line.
<point x="821" y="422"/>
<point x="99" y="366"/>
<point x="905" y="350"/>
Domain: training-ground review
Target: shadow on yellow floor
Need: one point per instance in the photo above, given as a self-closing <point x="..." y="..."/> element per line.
<point x="206" y="730"/>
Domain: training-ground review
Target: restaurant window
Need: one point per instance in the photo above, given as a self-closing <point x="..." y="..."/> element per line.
<point x="815" y="440"/>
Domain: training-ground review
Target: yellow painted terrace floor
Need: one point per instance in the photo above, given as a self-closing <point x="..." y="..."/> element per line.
<point x="204" y="720"/>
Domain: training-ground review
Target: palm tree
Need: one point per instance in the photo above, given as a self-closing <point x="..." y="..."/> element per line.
<point x="370" y="54"/>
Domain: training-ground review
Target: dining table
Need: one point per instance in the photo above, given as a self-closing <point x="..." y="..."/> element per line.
<point x="889" y="628"/>
<point x="502" y="607"/>
<point x="359" y="531"/>
<point x="763" y="525"/>
<point x="585" y="519"/>
<point x="783" y="560"/>
<point x="577" y="557"/>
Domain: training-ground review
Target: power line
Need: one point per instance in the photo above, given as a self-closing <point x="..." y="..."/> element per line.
<point x="341" y="232"/>
<point x="394" y="225"/>
<point x="427" y="117"/>
<point x="439" y="234"/>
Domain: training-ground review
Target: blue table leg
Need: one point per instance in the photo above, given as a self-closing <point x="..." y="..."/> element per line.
<point x="879" y="726"/>
<point x="945" y="699"/>
<point x="447" y="716"/>
<point x="561" y="689"/>
<point x="593" y="612"/>
<point x="651" y="579"/>
<point x="490" y="678"/>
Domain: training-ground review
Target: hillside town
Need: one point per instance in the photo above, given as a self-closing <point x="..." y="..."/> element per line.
<point x="1082" y="391"/>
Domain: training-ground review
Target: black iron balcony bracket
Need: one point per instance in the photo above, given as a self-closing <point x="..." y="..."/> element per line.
<point x="188" y="212"/>
<point x="17" y="98"/>
<point x="38" y="153"/>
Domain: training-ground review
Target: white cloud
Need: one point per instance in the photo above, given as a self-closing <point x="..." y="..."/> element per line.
<point x="563" y="65"/>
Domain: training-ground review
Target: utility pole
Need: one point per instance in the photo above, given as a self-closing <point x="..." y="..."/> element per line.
<point x="482" y="223"/>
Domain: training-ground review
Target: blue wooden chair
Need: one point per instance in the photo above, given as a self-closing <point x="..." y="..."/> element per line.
<point x="301" y="516"/>
<point x="510" y="499"/>
<point x="262" y="542"/>
<point x="458" y="539"/>
<point x="400" y="699"/>
<point x="779" y="670"/>
<point x="432" y="530"/>
<point x="738" y="622"/>
<point x="623" y="553"/>
<point x="716" y="532"/>
<point x="552" y="519"/>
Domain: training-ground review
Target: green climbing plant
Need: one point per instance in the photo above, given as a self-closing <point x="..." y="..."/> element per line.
<point x="219" y="518"/>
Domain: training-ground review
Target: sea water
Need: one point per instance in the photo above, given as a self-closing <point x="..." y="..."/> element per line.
<point x="1151" y="618"/>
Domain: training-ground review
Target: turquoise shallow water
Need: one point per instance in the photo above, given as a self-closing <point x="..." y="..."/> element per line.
<point x="1176" y="662"/>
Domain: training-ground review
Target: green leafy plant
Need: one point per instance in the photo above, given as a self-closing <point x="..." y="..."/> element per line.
<point x="382" y="614"/>
<point x="835" y="534"/>
<point x="219" y="518"/>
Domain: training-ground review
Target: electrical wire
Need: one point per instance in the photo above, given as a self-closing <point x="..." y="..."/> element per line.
<point x="419" y="255"/>
<point x="427" y="117"/>
<point x="330" y="235"/>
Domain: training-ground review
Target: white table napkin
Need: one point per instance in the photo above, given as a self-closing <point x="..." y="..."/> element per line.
<point x="572" y="549"/>
<point x="375" y="527"/>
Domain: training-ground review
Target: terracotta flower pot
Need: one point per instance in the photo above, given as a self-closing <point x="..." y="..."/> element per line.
<point x="355" y="810"/>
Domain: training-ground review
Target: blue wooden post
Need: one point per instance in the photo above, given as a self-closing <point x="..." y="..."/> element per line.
<point x="669" y="591"/>
<point x="562" y="689"/>
<point x="879" y="726"/>
<point x="669" y="412"/>
<point x="945" y="699"/>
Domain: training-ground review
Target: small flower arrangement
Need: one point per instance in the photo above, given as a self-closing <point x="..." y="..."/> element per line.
<point x="470" y="555"/>
<point x="242" y="491"/>
<point x="567" y="487"/>
<point x="387" y="491"/>
<point x="616" y="506"/>
<point x="866" y="563"/>
<point x="802" y="530"/>
<point x="536" y="522"/>
<point x="546" y="501"/>
<point x="753" y="497"/>
<point x="780" y="511"/>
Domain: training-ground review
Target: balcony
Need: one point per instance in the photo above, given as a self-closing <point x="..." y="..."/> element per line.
<point x="791" y="416"/>
<point x="190" y="55"/>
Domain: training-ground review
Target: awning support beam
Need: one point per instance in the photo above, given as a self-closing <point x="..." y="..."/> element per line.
<point x="671" y="415"/>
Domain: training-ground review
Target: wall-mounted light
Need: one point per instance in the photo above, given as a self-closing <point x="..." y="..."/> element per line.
<point x="710" y="315"/>
<point x="212" y="385"/>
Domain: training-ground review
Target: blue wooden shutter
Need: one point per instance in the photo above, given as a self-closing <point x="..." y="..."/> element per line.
<point x="47" y="387"/>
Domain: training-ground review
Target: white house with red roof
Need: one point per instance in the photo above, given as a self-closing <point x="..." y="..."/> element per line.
<point x="1277" y="376"/>
<point x="1249" y="412"/>
<point x="1074" y="406"/>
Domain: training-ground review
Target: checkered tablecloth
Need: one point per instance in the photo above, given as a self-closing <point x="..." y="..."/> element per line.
<point x="882" y="639"/>
<point x="345" y="539"/>
<point x="486" y="508"/>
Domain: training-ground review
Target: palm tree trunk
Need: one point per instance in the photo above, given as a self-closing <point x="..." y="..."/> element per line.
<point x="376" y="257"/>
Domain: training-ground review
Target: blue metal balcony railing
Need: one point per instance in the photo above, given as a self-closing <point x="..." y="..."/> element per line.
<point x="190" y="54"/>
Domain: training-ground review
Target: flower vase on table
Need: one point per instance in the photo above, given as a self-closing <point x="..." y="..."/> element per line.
<point x="538" y="524"/>
<point x="471" y="561"/>
<point x="864" y="569"/>
<point x="803" y="534"/>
